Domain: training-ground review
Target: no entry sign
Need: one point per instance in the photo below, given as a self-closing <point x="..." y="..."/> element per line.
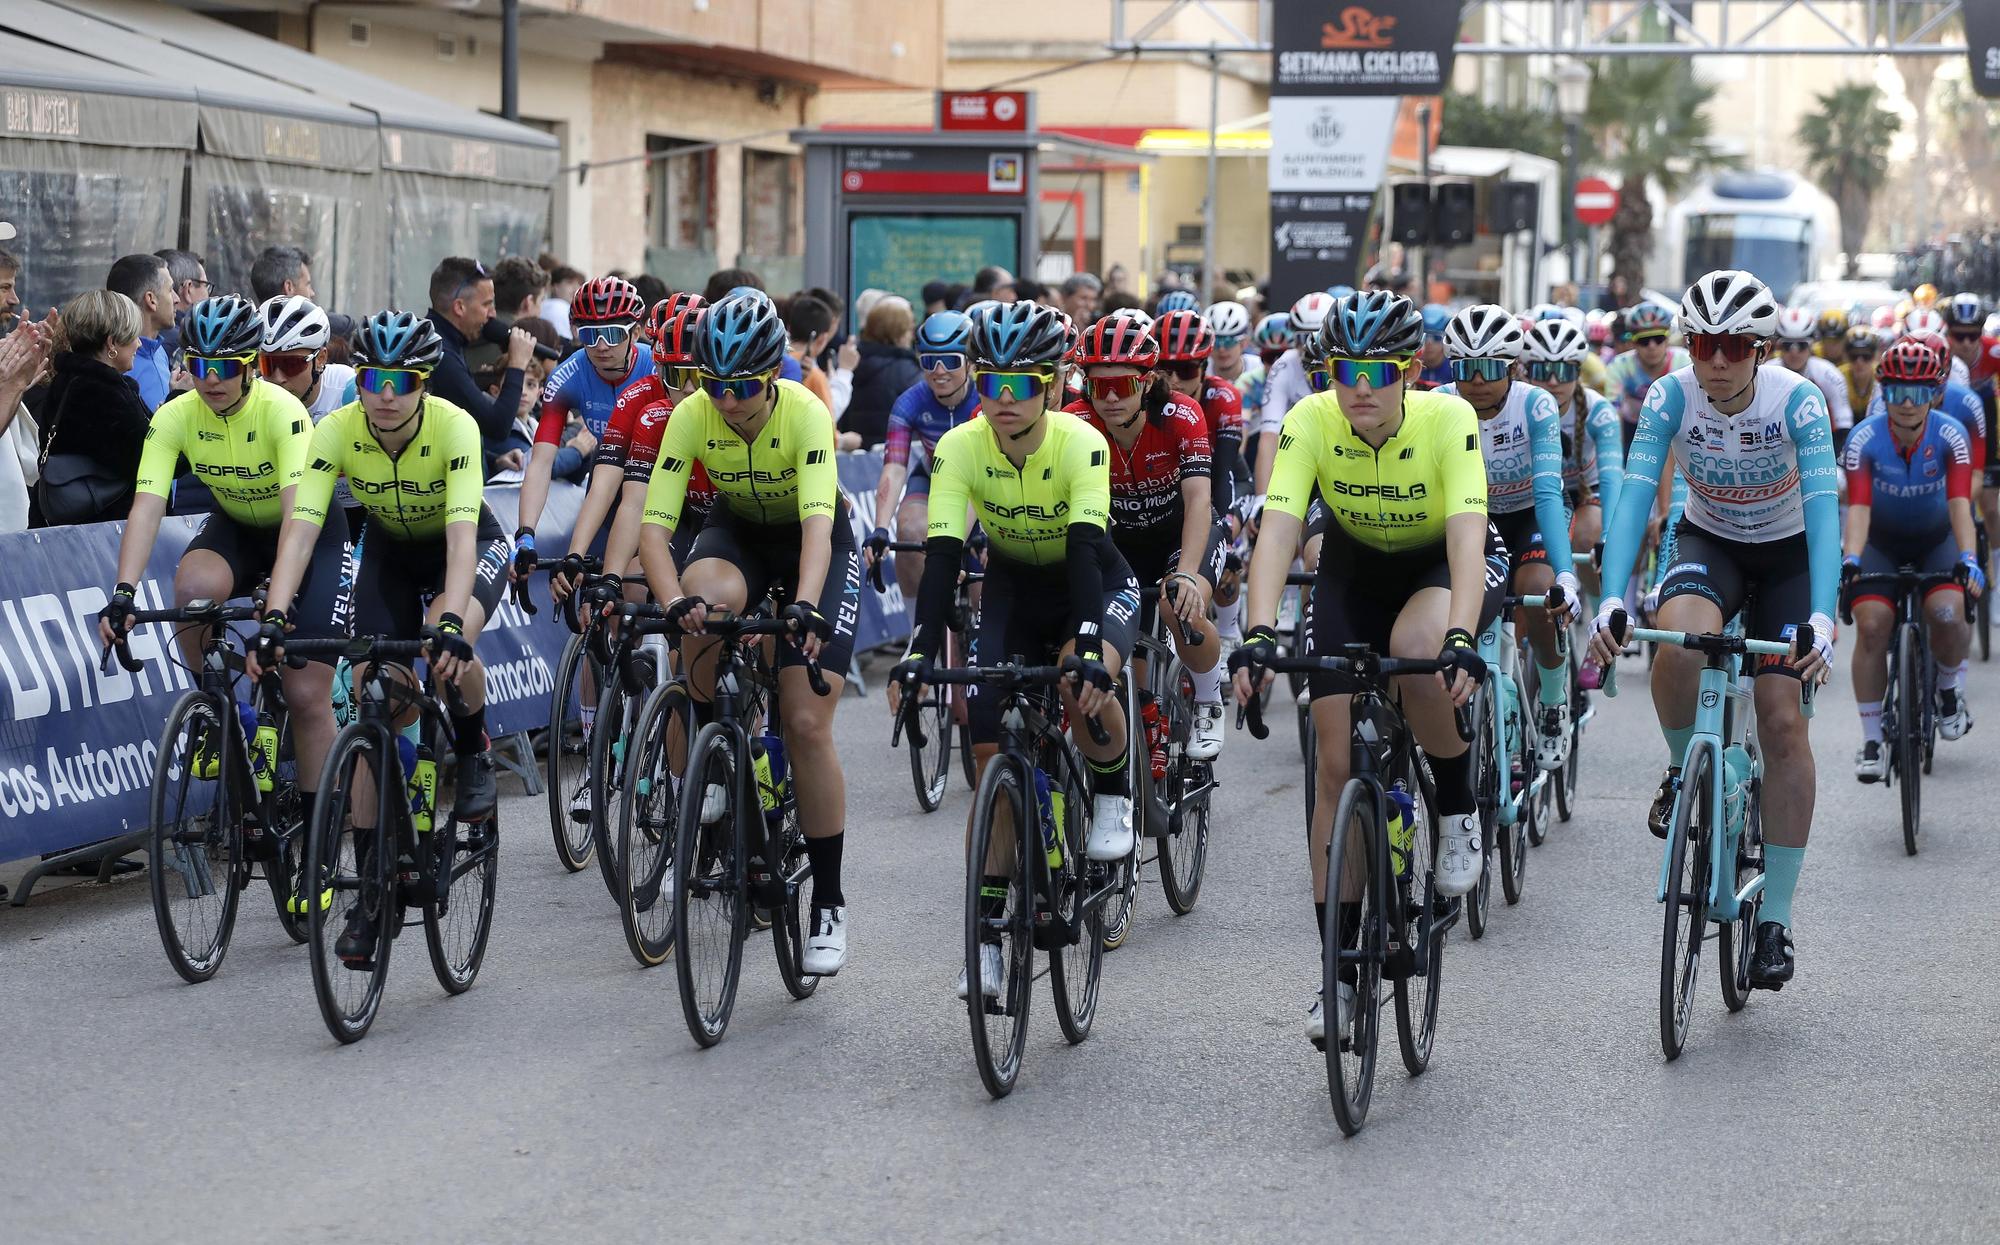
<point x="1596" y="201"/>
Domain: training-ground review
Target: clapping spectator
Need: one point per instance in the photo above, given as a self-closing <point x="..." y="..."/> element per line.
<point x="93" y="421"/>
<point x="886" y="367"/>
<point x="10" y="276"/>
<point x="22" y="354"/>
<point x="146" y="283"/>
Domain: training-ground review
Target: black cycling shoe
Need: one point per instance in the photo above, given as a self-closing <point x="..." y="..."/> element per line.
<point x="1662" y="811"/>
<point x="478" y="790"/>
<point x="1771" y="963"/>
<point x="356" y="944"/>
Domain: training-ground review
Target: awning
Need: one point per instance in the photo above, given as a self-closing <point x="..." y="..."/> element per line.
<point x="51" y="94"/>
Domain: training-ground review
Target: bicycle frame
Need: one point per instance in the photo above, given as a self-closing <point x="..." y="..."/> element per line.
<point x="1501" y="652"/>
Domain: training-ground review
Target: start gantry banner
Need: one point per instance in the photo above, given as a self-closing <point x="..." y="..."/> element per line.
<point x="1362" y="47"/>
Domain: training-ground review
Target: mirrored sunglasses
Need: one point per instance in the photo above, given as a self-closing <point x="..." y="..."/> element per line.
<point x="741" y="388"/>
<point x="1113" y="388"/>
<point x="603" y="334"/>
<point x="1899" y="392"/>
<point x="1555" y="373"/>
<point x="397" y="380"/>
<point x="274" y="366"/>
<point x="1480" y="369"/>
<point x="941" y="362"/>
<point x="1011" y="386"/>
<point x="205" y="367"/>
<point x="1734" y="347"/>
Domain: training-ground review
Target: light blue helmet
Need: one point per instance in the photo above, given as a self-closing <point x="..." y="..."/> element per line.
<point x="224" y="327"/>
<point x="398" y="339"/>
<point x="1373" y="325"/>
<point x="1019" y="335"/>
<point x="1176" y="300"/>
<point x="945" y="332"/>
<point x="740" y="336"/>
<point x="1340" y="291"/>
<point x="1436" y="317"/>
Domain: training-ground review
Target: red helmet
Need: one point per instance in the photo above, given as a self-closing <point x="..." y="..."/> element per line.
<point x="686" y="300"/>
<point x="1184" y="335"/>
<point x="1912" y="360"/>
<point x="673" y="332"/>
<point x="1117" y="339"/>
<point x="607" y="300"/>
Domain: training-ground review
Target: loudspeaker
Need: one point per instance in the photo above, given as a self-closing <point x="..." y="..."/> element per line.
<point x="1452" y="221"/>
<point x="1410" y="215"/>
<point x="1513" y="207"/>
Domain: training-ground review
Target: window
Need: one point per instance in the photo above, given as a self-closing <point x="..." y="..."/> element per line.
<point x="770" y="191"/>
<point x="680" y="194"/>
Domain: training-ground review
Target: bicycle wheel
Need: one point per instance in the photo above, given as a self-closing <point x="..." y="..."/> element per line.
<point x="788" y="935"/>
<point x="608" y="746"/>
<point x="1183" y="853"/>
<point x="648" y="815"/>
<point x="466" y="867"/>
<point x="1514" y="839"/>
<point x="1425" y="921"/>
<point x="284" y="873"/>
<point x="1486" y="786"/>
<point x="1350" y="1054"/>
<point x="1076" y="968"/>
<point x="710" y="915"/>
<point x="1735" y="939"/>
<point x="999" y="1010"/>
<point x="351" y="870"/>
<point x="1909" y="741"/>
<point x="1984" y="613"/>
<point x="197" y="852"/>
<point x="567" y="766"/>
<point x="1567" y="777"/>
<point x="930" y="762"/>
<point x="1116" y="914"/>
<point x="1689" y="842"/>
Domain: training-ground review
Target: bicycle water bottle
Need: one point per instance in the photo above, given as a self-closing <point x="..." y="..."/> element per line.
<point x="1402" y="827"/>
<point x="1736" y="785"/>
<point x="266" y="751"/>
<point x="767" y="761"/>
<point x="1049" y="804"/>
<point x="423" y="785"/>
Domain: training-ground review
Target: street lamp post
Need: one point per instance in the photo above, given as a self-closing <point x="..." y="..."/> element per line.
<point x="1572" y="99"/>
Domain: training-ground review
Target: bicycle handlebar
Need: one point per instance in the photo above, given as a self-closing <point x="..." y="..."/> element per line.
<point x="731" y="627"/>
<point x="518" y="588"/>
<point x="1007" y="677"/>
<point x="875" y="579"/>
<point x="1714" y="645"/>
<point x="209" y="612"/>
<point x="1363" y="664"/>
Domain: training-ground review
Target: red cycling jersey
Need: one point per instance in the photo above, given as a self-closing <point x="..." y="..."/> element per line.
<point x="632" y="439"/>
<point x="1146" y="480"/>
<point x="1222" y="404"/>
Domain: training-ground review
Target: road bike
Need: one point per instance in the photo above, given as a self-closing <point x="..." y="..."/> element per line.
<point x="1909" y="704"/>
<point x="1513" y="791"/>
<point x="571" y="717"/>
<point x="930" y="717"/>
<point x="1172" y="807"/>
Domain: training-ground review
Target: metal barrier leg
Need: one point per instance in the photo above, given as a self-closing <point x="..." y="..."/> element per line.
<point x="515" y="753"/>
<point x="103" y="854"/>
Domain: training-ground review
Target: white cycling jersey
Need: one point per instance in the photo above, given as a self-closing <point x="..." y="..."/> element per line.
<point x="1832" y="387"/>
<point x="1523" y="440"/>
<point x="1284" y="387"/>
<point x="1744" y="473"/>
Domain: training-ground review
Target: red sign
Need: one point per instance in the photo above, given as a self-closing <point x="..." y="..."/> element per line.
<point x="983" y="110"/>
<point x="1596" y="201"/>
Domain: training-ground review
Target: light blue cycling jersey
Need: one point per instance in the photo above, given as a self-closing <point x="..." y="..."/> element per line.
<point x="1595" y="461"/>
<point x="1524" y="464"/>
<point x="1626" y="381"/>
<point x="1766" y="473"/>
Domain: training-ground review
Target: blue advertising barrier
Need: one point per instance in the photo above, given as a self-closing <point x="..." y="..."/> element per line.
<point x="77" y="744"/>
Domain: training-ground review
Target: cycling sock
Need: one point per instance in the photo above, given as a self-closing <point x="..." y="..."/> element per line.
<point x="1554" y="683"/>
<point x="1229" y="618"/>
<point x="1454" y="783"/>
<point x="825" y="857"/>
<point x="308" y="800"/>
<point x="1110" y="777"/>
<point x="1871" y="721"/>
<point x="1948" y="676"/>
<point x="1677" y="742"/>
<point x="1319" y="920"/>
<point x="1781" y="878"/>
<point x="587" y="715"/>
<point x="469" y="732"/>
<point x="1208" y="685"/>
<point x="1350" y="936"/>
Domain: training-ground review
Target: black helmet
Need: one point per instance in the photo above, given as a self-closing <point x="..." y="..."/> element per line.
<point x="740" y="335"/>
<point x="1019" y="335"/>
<point x="398" y="339"/>
<point x="224" y="327"/>
<point x="1371" y="325"/>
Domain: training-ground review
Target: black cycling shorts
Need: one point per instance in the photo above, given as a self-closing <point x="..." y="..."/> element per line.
<point x="767" y="556"/>
<point x="1881" y="559"/>
<point x="323" y="608"/>
<point x="1722" y="571"/>
<point x="396" y="581"/>
<point x="1522" y="535"/>
<point x="1360" y="591"/>
<point x="1152" y="559"/>
<point x="1024" y="612"/>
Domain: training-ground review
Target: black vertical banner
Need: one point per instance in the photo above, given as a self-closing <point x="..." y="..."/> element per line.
<point x="1982" y="44"/>
<point x="1316" y="241"/>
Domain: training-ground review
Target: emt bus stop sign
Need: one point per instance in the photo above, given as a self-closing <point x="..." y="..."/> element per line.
<point x="1596" y="201"/>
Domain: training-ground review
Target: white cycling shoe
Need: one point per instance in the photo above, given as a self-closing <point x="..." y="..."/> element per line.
<point x="826" y="950"/>
<point x="1460" y="855"/>
<point x="1205" y="735"/>
<point x="1110" y="828"/>
<point x="1316" y="1018"/>
<point x="991" y="970"/>
<point x="714" y="802"/>
<point x="1552" y="748"/>
<point x="1954" y="715"/>
<point x="579" y="805"/>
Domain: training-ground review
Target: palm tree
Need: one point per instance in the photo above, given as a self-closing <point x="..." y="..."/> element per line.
<point x="1847" y="150"/>
<point x="1649" y="119"/>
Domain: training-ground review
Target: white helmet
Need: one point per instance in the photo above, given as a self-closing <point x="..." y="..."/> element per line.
<point x="1992" y="326"/>
<point x="1309" y="313"/>
<point x="1729" y="301"/>
<point x="1228" y="319"/>
<point x="292" y="323"/>
<point x="1797" y="324"/>
<point x="1135" y="313"/>
<point x="1556" y="341"/>
<point x="1484" y="331"/>
<point x="1924" y="320"/>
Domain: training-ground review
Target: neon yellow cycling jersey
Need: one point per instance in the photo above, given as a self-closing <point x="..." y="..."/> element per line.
<point x="1394" y="499"/>
<point x="247" y="458"/>
<point x="1026" y="510"/>
<point x="786" y="476"/>
<point x="435" y="480"/>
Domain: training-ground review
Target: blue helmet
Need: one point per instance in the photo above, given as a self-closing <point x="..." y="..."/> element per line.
<point x="1019" y="335"/>
<point x="1373" y="325"/>
<point x="1340" y="291"/>
<point x="1436" y="316"/>
<point x="1176" y="300"/>
<point x="740" y="336"/>
<point x="945" y="332"/>
<point x="224" y="327"/>
<point x="398" y="339"/>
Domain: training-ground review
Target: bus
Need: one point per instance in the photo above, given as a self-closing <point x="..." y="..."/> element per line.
<point x="1768" y="222"/>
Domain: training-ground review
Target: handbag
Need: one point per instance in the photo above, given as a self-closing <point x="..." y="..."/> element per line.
<point x="76" y="488"/>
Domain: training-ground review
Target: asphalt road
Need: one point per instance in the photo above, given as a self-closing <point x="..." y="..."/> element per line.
<point x="562" y="1099"/>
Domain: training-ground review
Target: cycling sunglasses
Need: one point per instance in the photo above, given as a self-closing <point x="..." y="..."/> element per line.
<point x="682" y="376"/>
<point x="1012" y="386"/>
<point x="742" y="388"/>
<point x="397" y="380"/>
<point x="1185" y="369"/>
<point x="1112" y="388"/>
<point x="1795" y="345"/>
<point x="941" y="362"/>
<point x="1898" y="392"/>
<point x="205" y="367"/>
<point x="273" y="366"/>
<point x="1649" y="339"/>
<point x="1556" y="373"/>
<point x="1229" y="342"/>
<point x="1965" y="335"/>
<point x="1734" y="347"/>
<point x="603" y="334"/>
<point x="1481" y="369"/>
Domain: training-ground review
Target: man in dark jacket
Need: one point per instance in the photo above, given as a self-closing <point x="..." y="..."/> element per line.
<point x="461" y="304"/>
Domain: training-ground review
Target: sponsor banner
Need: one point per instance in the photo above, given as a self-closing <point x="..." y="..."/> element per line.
<point x="883" y="618"/>
<point x="1319" y="143"/>
<point x="1316" y="241"/>
<point x="1982" y="45"/>
<point x="1362" y="47"/>
<point x="933" y="171"/>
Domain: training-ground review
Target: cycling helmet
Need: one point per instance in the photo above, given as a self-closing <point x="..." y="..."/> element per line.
<point x="1992" y="326"/>
<point x="607" y="300"/>
<point x="1796" y="324"/>
<point x="1309" y="313"/>
<point x="1887" y="323"/>
<point x="1019" y="335"/>
<point x="1648" y="317"/>
<point x="1729" y="301"/>
<point x="1136" y="313"/>
<point x="292" y="323"/>
<point x="1483" y="331"/>
<point x="1117" y="339"/>
<point x="1374" y="325"/>
<point x="1925" y="295"/>
<point x="223" y="327"/>
<point x="1965" y="311"/>
<point x="944" y="332"/>
<point x="1071" y="334"/>
<point x="1925" y="321"/>
<point x="398" y="339"/>
<point x="740" y="336"/>
<point x="1832" y="323"/>
<point x="1340" y="291"/>
<point x="1183" y="336"/>
<point x="685" y="300"/>
<point x="1912" y="360"/>
<point x="1274" y="332"/>
<point x="673" y="334"/>
<point x="1176" y="300"/>
<point x="657" y="319"/>
<point x="1436" y="317"/>
<point x="1555" y="341"/>
<point x="1861" y="340"/>
<point x="1543" y="311"/>
<point x="1228" y="319"/>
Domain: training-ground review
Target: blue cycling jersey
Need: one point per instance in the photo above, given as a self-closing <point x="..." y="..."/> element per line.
<point x="1908" y="493"/>
<point x="919" y="416"/>
<point x="575" y="388"/>
<point x="1961" y="404"/>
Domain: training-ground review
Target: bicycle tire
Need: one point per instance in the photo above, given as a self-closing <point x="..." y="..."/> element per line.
<point x="197" y="844"/>
<point x="567" y="765"/>
<point x="711" y="909"/>
<point x="1909" y="739"/>
<point x="930" y="763"/>
<point x="284" y="873"/>
<point x="1350" y="1056"/>
<point x="1183" y="853"/>
<point x="458" y="922"/>
<point x="608" y="746"/>
<point x="1736" y="939"/>
<point x="1514" y="839"/>
<point x="1417" y="993"/>
<point x="649" y="812"/>
<point x="1571" y="773"/>
<point x="1076" y="969"/>
<point x="997" y="1053"/>
<point x="1690" y="838"/>
<point x="349" y="998"/>
<point x="1118" y="907"/>
<point x="1486" y="786"/>
<point x="788" y="935"/>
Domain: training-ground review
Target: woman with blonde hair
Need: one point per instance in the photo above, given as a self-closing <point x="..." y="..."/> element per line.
<point x="93" y="420"/>
<point x="886" y="368"/>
